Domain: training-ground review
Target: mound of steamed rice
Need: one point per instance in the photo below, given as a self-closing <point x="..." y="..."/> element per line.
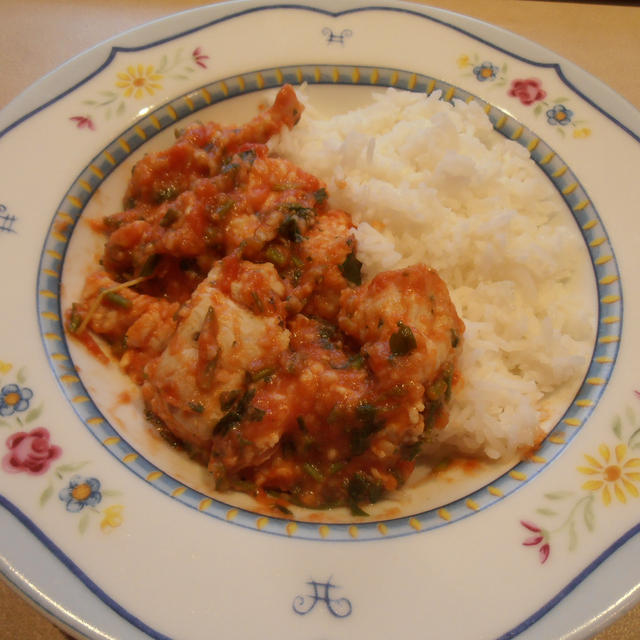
<point x="430" y="181"/>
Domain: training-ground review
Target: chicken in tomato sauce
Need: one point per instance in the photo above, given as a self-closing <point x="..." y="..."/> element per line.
<point x="230" y="291"/>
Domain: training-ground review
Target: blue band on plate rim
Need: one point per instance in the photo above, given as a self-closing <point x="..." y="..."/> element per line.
<point x="607" y="277"/>
<point x="68" y="563"/>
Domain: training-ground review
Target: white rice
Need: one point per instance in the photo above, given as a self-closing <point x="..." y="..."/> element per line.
<point x="428" y="181"/>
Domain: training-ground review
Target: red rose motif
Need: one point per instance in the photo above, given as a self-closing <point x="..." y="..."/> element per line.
<point x="527" y="91"/>
<point x="30" y="452"/>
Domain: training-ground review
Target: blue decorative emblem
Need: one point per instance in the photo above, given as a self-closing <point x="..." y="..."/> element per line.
<point x="337" y="607"/>
<point x="6" y="220"/>
<point x="339" y="38"/>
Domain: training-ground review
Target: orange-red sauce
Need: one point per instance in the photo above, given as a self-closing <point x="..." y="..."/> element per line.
<point x="335" y="418"/>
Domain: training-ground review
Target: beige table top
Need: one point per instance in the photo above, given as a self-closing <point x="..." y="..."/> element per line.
<point x="38" y="35"/>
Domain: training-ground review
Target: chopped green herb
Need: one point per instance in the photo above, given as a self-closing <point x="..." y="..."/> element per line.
<point x="354" y="362"/>
<point x="228" y="167"/>
<point x="410" y="451"/>
<point x="209" y="323"/>
<point x="402" y="341"/>
<point x="222" y="482"/>
<point x="447" y="376"/>
<point x="169" y="217"/>
<point x="150" y="265"/>
<point x="228" y="399"/>
<point x="165" y="193"/>
<point x="285" y="186"/>
<point x="245" y="485"/>
<point x="118" y="300"/>
<point x="357" y="361"/>
<point x="209" y="354"/>
<point x="437" y="390"/>
<point x="357" y="510"/>
<point x="198" y="407"/>
<point x="369" y="423"/>
<point x="162" y="429"/>
<point x="313" y="471"/>
<point x="248" y="156"/>
<point x="262" y="374"/>
<point x="336" y="467"/>
<point x="233" y="417"/>
<point x="430" y="414"/>
<point x="362" y="489"/>
<point x="289" y="229"/>
<point x="211" y="236"/>
<point x="283" y="509"/>
<point x="76" y="319"/>
<point x="299" y="209"/>
<point x="359" y="440"/>
<point x="153" y="418"/>
<point x="320" y="195"/>
<point x="224" y="425"/>
<point x="274" y="255"/>
<point x="326" y="333"/>
<point x="287" y="446"/>
<point x="257" y="301"/>
<point x="351" y="269"/>
<point x="224" y="208"/>
<point x="455" y="338"/>
<point x="111" y="222"/>
<point x="254" y="414"/>
<point x="366" y="412"/>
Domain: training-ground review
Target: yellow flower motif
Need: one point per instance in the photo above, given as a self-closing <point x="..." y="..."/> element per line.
<point x="139" y="79"/>
<point x="584" y="132"/>
<point x="112" y="517"/>
<point x="5" y="367"/>
<point x="463" y="61"/>
<point x="615" y="474"/>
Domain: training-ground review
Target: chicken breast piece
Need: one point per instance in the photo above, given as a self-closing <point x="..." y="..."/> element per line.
<point x="316" y="378"/>
<point x="137" y="326"/>
<point x="327" y="248"/>
<point x="201" y="150"/>
<point x="223" y="337"/>
<point x="319" y="429"/>
<point x="406" y="323"/>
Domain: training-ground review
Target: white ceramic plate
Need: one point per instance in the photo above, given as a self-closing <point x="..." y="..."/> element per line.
<point x="106" y="532"/>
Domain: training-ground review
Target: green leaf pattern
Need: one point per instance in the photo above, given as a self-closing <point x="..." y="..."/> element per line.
<point x="137" y="80"/>
<point x="611" y="476"/>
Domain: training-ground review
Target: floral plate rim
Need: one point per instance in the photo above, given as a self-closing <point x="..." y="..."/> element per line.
<point x="612" y="548"/>
<point x="567" y="71"/>
<point x="586" y="217"/>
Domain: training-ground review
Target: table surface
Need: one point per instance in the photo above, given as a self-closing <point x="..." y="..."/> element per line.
<point x="601" y="37"/>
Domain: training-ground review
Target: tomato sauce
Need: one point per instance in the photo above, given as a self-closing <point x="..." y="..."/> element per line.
<point x="231" y="292"/>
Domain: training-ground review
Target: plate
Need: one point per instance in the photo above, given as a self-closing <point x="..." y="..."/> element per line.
<point x="111" y="539"/>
